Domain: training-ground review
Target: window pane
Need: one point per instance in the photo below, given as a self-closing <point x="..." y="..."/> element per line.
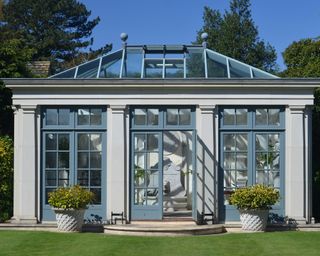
<point x="174" y="69"/>
<point x="51" y="117"/>
<point x="261" y="161"/>
<point x="95" y="178"/>
<point x="152" y="196"/>
<point x="261" y="116"/>
<point x="140" y="116"/>
<point x="139" y="160"/>
<point x="97" y="195"/>
<point x="95" y="117"/>
<point x="64" y="116"/>
<point x="83" y="141"/>
<point x="195" y="63"/>
<point x="51" y="178"/>
<point x="139" y="142"/>
<point x="83" y="160"/>
<point x="139" y="175"/>
<point x="63" y="160"/>
<point x="133" y="64"/>
<point x="185" y="116"/>
<point x="63" y="141"/>
<point x="153" y="178"/>
<point x="83" y="116"/>
<point x="239" y="70"/>
<point x="241" y="116"/>
<point x="83" y="178"/>
<point x="96" y="142"/>
<point x="229" y="116"/>
<point x="51" y="160"/>
<point x="63" y="178"/>
<point x="153" y="116"/>
<point x="51" y="141"/>
<point x="242" y="161"/>
<point x="217" y="65"/>
<point x="242" y="178"/>
<point x="152" y="161"/>
<point x="229" y="160"/>
<point x="274" y="117"/>
<point x="172" y="116"/>
<point x="242" y="142"/>
<point x="152" y="143"/>
<point x="110" y="65"/>
<point x="274" y="142"/>
<point x="153" y="68"/>
<point x="262" y="142"/>
<point x="95" y="160"/>
<point x="89" y="69"/>
<point x="229" y="142"/>
<point x="139" y="197"/>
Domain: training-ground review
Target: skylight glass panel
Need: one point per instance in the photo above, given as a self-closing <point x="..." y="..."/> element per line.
<point x="133" y="63"/>
<point x="153" y="68"/>
<point x="217" y="65"/>
<point x="89" y="69"/>
<point x="195" y="63"/>
<point x="110" y="65"/>
<point x="66" y="74"/>
<point x="238" y="69"/>
<point x="174" y="68"/>
<point x="259" y="74"/>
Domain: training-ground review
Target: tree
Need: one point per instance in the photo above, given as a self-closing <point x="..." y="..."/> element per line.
<point x="57" y="30"/>
<point x="302" y="59"/>
<point x="235" y="35"/>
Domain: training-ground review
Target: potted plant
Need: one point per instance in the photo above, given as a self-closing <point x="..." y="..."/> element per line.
<point x="254" y="204"/>
<point x="69" y="205"/>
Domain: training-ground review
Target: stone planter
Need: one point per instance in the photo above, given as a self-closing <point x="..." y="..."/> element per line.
<point x="254" y="220"/>
<point x="70" y="220"/>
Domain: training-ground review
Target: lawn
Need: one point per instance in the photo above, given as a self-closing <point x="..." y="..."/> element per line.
<point x="47" y="243"/>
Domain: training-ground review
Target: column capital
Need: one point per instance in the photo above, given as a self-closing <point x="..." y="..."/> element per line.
<point x="297" y="109"/>
<point x="15" y="108"/>
<point x="29" y="109"/>
<point x="118" y="109"/>
<point x="207" y="109"/>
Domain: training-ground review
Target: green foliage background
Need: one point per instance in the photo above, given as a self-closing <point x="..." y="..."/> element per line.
<point x="6" y="177"/>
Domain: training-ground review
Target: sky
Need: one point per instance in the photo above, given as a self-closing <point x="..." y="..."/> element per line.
<point x="280" y="22"/>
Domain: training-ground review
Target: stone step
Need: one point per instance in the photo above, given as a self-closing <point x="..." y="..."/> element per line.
<point x="164" y="228"/>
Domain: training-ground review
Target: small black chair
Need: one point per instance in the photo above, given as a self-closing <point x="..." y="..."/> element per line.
<point x="117" y="216"/>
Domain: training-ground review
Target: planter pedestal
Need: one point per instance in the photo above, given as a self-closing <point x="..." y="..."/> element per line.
<point x="254" y="220"/>
<point x="70" y="220"/>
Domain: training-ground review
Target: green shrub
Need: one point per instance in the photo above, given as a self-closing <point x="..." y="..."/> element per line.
<point x="6" y="177"/>
<point x="255" y="197"/>
<point x="74" y="197"/>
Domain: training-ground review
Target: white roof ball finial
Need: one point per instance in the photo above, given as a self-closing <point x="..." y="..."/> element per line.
<point x="124" y="37"/>
<point x="204" y="37"/>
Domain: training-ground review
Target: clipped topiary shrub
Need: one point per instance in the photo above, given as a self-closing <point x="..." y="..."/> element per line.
<point x="6" y="178"/>
<point x="255" y="197"/>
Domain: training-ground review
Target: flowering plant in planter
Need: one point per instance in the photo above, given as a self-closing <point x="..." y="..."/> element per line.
<point x="254" y="203"/>
<point x="69" y="204"/>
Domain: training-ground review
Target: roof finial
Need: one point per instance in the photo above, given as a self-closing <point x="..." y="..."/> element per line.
<point x="204" y="37"/>
<point x="124" y="37"/>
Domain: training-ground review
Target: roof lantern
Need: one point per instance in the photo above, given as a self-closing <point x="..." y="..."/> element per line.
<point x="163" y="62"/>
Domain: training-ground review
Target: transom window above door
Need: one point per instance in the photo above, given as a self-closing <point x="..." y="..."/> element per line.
<point x="158" y="117"/>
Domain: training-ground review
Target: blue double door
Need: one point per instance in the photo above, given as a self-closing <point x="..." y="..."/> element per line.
<point x="161" y="173"/>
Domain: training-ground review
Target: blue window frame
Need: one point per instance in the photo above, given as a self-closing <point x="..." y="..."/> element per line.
<point x="73" y="146"/>
<point x="251" y="152"/>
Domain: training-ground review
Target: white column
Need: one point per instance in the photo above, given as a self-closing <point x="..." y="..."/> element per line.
<point x="25" y="168"/>
<point x="116" y="160"/>
<point x="206" y="170"/>
<point x="295" y="165"/>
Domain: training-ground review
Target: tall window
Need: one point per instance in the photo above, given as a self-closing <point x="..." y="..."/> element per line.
<point x="73" y="148"/>
<point x="252" y="142"/>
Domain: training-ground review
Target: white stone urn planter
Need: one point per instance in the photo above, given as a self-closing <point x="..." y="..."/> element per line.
<point x="254" y="219"/>
<point x="69" y="205"/>
<point x="69" y="220"/>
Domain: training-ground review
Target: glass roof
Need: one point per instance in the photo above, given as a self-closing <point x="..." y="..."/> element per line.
<point x="164" y="62"/>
